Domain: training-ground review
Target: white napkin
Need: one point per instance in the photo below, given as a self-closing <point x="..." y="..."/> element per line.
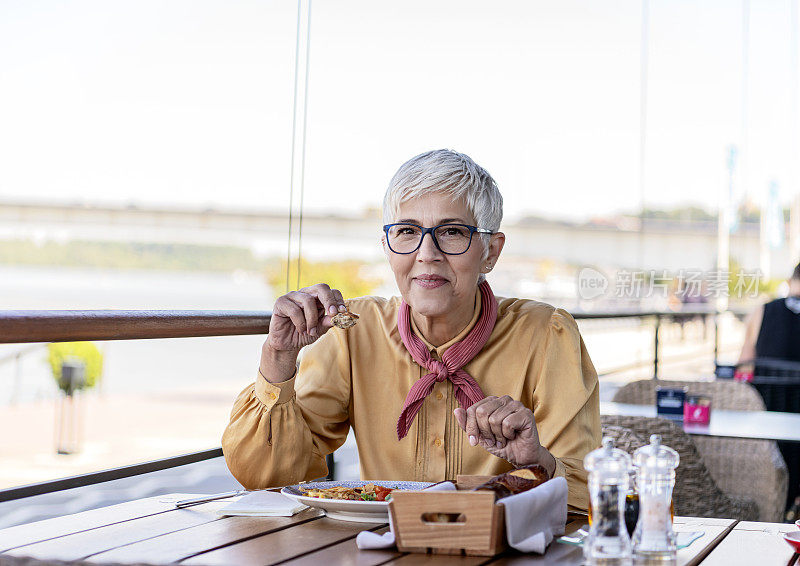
<point x="367" y="540"/>
<point x="263" y="504"/>
<point x="533" y="518"/>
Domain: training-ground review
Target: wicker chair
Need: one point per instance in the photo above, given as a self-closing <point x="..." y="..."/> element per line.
<point x="624" y="438"/>
<point x="747" y="468"/>
<point x="729" y="395"/>
<point x="695" y="494"/>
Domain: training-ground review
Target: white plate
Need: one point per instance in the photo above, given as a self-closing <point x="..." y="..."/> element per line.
<point x="346" y="510"/>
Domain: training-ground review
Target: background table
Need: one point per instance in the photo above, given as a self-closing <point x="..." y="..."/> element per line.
<point x="754" y="543"/>
<point x="153" y="531"/>
<point x="766" y="425"/>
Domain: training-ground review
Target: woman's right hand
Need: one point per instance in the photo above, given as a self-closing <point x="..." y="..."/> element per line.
<point x="299" y="318"/>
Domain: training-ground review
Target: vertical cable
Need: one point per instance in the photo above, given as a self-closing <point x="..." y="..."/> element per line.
<point x="745" y="126"/>
<point x="745" y="96"/>
<point x="294" y="136"/>
<point x="644" y="56"/>
<point x="794" y="221"/>
<point x="303" y="151"/>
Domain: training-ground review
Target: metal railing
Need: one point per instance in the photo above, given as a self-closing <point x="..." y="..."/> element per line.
<point x="67" y="326"/>
<point x="107" y="475"/>
<point x="16" y="358"/>
<point x="658" y="317"/>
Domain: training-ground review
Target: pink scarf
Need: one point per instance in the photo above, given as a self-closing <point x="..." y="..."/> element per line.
<point x="467" y="390"/>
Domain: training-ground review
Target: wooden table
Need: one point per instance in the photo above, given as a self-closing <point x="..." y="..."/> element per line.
<point x="754" y="543"/>
<point x="768" y="425"/>
<point x="153" y="531"/>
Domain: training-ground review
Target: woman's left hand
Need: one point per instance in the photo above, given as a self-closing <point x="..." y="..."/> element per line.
<point x="507" y="429"/>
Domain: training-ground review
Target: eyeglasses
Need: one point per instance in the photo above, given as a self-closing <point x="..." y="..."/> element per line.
<point x="450" y="239"/>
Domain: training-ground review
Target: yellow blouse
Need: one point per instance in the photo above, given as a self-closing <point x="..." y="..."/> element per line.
<point x="280" y="433"/>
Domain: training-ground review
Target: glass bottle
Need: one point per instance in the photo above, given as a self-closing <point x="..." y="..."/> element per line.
<point x="608" y="542"/>
<point x="654" y="539"/>
<point x="631" y="503"/>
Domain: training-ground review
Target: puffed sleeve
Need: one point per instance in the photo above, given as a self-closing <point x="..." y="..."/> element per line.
<point x="279" y="434"/>
<point x="566" y="404"/>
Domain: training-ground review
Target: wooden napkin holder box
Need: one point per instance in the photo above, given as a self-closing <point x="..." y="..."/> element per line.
<point x="477" y="527"/>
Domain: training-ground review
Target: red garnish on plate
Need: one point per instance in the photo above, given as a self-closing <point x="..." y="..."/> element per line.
<point x="793" y="538"/>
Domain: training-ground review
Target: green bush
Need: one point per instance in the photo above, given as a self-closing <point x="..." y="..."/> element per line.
<point x="348" y="276"/>
<point x="84" y="352"/>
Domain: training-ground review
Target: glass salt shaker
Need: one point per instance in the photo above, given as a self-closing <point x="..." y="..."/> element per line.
<point x="608" y="541"/>
<point x="654" y="539"/>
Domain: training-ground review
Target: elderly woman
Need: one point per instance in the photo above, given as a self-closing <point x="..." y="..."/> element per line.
<point x="444" y="380"/>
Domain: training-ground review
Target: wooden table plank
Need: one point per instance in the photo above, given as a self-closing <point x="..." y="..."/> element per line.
<point x="415" y="559"/>
<point x="346" y="553"/>
<point x="753" y="543"/>
<point x="766" y="527"/>
<point x="183" y="544"/>
<point x="285" y="544"/>
<point x="557" y="553"/>
<point x="89" y="542"/>
<point x="696" y="552"/>
<point x="699" y="521"/>
<point x="30" y="533"/>
<point x="153" y="530"/>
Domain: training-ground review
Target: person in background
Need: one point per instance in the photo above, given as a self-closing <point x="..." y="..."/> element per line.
<point x="446" y="379"/>
<point x="772" y="331"/>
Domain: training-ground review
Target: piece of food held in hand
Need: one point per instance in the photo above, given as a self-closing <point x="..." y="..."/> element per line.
<point x="345" y="319"/>
<point x="515" y="481"/>
<point x="369" y="492"/>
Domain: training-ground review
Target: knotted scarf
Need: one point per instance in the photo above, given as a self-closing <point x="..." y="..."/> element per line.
<point x="466" y="389"/>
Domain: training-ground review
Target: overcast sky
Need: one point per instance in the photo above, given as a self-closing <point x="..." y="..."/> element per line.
<point x="190" y="101"/>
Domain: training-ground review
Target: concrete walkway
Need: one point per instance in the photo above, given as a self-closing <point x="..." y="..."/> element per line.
<point x="113" y="431"/>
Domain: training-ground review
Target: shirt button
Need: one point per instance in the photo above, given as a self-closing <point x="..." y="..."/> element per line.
<point x="438" y="442"/>
<point x="272" y="396"/>
<point x="439" y="396"/>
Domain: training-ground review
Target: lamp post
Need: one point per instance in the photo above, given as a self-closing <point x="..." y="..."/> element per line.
<point x="73" y="378"/>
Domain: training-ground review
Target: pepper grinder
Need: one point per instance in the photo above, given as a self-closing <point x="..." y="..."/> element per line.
<point x="608" y="542"/>
<point x="654" y="539"/>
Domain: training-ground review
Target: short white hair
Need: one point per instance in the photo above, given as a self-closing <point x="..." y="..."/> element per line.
<point x="446" y="171"/>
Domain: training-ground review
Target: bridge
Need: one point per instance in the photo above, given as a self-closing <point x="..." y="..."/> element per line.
<point x="661" y="245"/>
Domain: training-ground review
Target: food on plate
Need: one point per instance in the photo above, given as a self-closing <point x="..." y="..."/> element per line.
<point x="443" y="517"/>
<point x="516" y="481"/>
<point x="345" y="319"/>
<point x="368" y="492"/>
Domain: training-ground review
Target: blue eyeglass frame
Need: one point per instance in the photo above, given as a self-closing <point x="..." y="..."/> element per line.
<point x="472" y="230"/>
